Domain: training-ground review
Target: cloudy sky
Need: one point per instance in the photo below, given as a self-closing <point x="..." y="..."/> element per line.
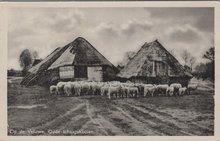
<point x="113" y="31"/>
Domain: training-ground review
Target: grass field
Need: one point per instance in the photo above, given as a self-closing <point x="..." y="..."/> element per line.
<point x="33" y="111"/>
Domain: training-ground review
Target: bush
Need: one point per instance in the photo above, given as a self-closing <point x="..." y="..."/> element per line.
<point x="205" y="71"/>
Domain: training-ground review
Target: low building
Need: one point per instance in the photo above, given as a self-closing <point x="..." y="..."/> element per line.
<point x="76" y="61"/>
<point x="154" y="64"/>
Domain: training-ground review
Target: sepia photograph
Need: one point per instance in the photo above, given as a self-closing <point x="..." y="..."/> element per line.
<point x="111" y="71"/>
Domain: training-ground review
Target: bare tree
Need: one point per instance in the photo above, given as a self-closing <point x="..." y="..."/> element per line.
<point x="25" y="60"/>
<point x="189" y="60"/>
<point x="192" y="61"/>
<point x="186" y="56"/>
<point x="127" y="57"/>
<point x="210" y="54"/>
<point x="35" y="54"/>
<point x="130" y="54"/>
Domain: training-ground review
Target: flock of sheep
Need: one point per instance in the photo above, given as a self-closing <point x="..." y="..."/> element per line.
<point x="116" y="89"/>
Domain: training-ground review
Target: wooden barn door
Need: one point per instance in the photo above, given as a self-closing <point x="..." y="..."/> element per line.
<point x="95" y="74"/>
<point x="80" y="72"/>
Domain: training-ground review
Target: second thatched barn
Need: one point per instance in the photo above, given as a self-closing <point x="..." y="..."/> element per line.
<point x="154" y="64"/>
<point x="76" y="61"/>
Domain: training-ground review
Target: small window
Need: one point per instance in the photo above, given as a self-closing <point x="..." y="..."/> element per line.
<point x="66" y="72"/>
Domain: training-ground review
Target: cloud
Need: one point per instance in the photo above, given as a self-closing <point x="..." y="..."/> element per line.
<point x="113" y="31"/>
<point x="205" y="22"/>
<point x="135" y="26"/>
<point x="63" y="21"/>
<point x="106" y="31"/>
<point x="200" y="17"/>
<point x="184" y="34"/>
<point x="41" y="30"/>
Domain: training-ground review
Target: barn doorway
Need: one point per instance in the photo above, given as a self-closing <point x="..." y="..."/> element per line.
<point x="95" y="73"/>
<point x="80" y="72"/>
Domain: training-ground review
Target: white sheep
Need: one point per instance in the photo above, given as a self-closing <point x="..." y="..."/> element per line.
<point x="77" y="89"/>
<point x="176" y="87"/>
<point x="170" y="91"/>
<point x="129" y="90"/>
<point x="99" y="86"/>
<point x="94" y="87"/>
<point x="68" y="88"/>
<point x="149" y="89"/>
<point x="60" y="86"/>
<point x="85" y="86"/>
<point x="182" y="90"/>
<point x="123" y="92"/>
<point x="104" y="89"/>
<point x="53" y="89"/>
<point x="113" y="90"/>
<point x="133" y="91"/>
<point x="73" y="87"/>
<point x="161" y="88"/>
<point x="140" y="87"/>
<point x="192" y="87"/>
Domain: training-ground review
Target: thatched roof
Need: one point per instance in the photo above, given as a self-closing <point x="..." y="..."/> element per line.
<point x="137" y="66"/>
<point x="78" y="52"/>
<point x="36" y="61"/>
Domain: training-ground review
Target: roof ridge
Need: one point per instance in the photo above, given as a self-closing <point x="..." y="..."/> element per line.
<point x="96" y="51"/>
<point x="161" y="46"/>
<point x="171" y="60"/>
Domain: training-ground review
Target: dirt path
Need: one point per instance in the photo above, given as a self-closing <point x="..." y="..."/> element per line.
<point x="173" y="125"/>
<point x="117" y="121"/>
<point x="143" y="129"/>
<point x="106" y="126"/>
<point x="122" y="117"/>
<point x="60" y="120"/>
<point x="94" y="119"/>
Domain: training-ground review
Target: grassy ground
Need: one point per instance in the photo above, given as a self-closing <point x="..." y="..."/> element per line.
<point x="33" y="111"/>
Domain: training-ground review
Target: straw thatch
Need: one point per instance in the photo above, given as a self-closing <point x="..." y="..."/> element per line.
<point x="141" y="65"/>
<point x="77" y="53"/>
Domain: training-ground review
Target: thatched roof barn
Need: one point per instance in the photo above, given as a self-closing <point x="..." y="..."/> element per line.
<point x="78" y="60"/>
<point x="154" y="64"/>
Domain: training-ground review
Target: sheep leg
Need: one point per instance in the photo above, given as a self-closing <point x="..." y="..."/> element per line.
<point x="152" y="94"/>
<point x="79" y="92"/>
<point x="109" y="95"/>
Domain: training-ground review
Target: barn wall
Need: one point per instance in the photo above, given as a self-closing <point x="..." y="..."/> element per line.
<point x="109" y="73"/>
<point x="150" y="80"/>
<point x="138" y="80"/>
<point x="158" y="80"/>
<point x="95" y="73"/>
<point x="81" y="71"/>
<point x="182" y="80"/>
